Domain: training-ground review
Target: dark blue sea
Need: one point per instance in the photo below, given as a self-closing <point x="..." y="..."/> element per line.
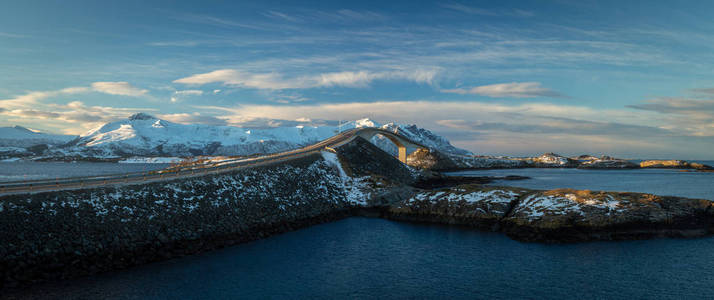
<point x="362" y="258"/>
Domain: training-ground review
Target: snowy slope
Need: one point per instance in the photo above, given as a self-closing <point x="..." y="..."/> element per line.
<point x="19" y="136"/>
<point x="145" y="135"/>
<point x="412" y="132"/>
<point x="425" y="137"/>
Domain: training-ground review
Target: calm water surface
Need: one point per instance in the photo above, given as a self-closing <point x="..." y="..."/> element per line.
<point x="653" y="181"/>
<point x="14" y="171"/>
<point x="376" y="258"/>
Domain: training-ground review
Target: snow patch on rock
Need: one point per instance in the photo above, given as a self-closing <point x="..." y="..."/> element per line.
<point x="357" y="189"/>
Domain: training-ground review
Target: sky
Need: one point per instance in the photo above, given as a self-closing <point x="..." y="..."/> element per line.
<point x="624" y="78"/>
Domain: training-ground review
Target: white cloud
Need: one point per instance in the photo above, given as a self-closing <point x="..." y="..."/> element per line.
<point x="185" y="93"/>
<point x="347" y="79"/>
<point x="508" y="90"/>
<point x="118" y="88"/>
<point x="276" y="81"/>
<point x="30" y="109"/>
<point x="189" y="93"/>
<point x="75" y="112"/>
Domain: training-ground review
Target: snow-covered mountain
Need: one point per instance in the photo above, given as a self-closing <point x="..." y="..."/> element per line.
<point x="19" y="136"/>
<point x="145" y="135"/>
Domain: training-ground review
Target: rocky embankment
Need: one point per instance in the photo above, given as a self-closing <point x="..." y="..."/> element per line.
<point x="562" y="215"/>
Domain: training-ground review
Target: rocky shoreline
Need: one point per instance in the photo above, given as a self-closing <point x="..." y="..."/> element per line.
<point x="558" y="216"/>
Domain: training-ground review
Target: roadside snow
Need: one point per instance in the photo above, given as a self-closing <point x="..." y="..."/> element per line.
<point x="356" y="188"/>
<point x="332" y="160"/>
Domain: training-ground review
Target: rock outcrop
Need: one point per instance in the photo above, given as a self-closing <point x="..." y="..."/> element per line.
<point x="567" y="215"/>
<point x="674" y="164"/>
<point x="552" y="160"/>
<point x="473" y="205"/>
<point x="562" y="215"/>
<point x="608" y="164"/>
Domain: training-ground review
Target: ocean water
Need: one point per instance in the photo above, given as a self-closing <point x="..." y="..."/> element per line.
<point x="362" y="258"/>
<point x="16" y="171"/>
<point x="662" y="182"/>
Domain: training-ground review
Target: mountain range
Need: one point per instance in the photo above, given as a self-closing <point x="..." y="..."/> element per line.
<point x="145" y="135"/>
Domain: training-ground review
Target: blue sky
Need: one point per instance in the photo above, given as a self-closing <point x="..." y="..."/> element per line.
<point x="632" y="79"/>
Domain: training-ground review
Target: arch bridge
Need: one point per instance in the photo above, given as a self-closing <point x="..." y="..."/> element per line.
<point x="214" y="167"/>
<point x="402" y="143"/>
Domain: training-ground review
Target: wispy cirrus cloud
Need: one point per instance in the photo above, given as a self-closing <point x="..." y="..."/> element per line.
<point x="508" y="90"/>
<point x="281" y="16"/>
<point x="487" y="12"/>
<point x="276" y="81"/>
<point x="213" y="20"/>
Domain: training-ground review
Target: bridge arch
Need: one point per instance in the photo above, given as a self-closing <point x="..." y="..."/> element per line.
<point x="402" y="143"/>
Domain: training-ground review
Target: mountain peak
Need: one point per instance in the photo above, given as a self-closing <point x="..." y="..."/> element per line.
<point x="141" y="116"/>
<point x="18" y="127"/>
<point x="366" y="122"/>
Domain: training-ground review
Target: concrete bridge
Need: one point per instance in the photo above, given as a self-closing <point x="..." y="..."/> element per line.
<point x="402" y="143"/>
<point x="214" y="167"/>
